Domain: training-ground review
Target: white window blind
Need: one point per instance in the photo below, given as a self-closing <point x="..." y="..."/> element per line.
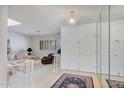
<point x="49" y="44"/>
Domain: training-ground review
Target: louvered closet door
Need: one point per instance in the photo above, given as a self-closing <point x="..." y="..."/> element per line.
<point x="87" y="48"/>
<point x="69" y="38"/>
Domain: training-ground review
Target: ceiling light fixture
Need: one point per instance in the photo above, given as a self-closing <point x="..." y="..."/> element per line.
<point x="12" y="22"/>
<point x="72" y="19"/>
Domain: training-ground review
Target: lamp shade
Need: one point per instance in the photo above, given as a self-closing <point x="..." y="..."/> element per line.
<point x="29" y="49"/>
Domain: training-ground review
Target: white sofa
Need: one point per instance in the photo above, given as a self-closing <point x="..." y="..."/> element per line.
<point x="20" y="56"/>
<point x="14" y="59"/>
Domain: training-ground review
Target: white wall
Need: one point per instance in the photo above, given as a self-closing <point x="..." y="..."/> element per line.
<point x="36" y="46"/>
<point x="19" y="42"/>
<point x="3" y="45"/>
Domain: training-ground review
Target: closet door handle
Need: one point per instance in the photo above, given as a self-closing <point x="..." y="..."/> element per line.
<point x="116" y="55"/>
<point x="80" y="53"/>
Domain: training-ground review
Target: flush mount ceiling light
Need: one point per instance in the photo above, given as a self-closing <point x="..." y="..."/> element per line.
<point x="72" y="20"/>
<point x="12" y="22"/>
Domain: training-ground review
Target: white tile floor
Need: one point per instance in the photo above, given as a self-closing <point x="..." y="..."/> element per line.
<point x="43" y="76"/>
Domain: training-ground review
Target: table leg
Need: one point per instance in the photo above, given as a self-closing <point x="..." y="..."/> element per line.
<point x="54" y="63"/>
<point x="20" y="67"/>
<point x="25" y="68"/>
<point x="13" y="70"/>
<point x="32" y="66"/>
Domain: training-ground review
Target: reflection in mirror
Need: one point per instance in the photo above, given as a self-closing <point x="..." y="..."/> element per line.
<point x="110" y="46"/>
<point x="117" y="46"/>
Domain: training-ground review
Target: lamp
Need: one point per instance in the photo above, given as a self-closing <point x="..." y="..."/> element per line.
<point x="59" y="51"/>
<point x="29" y="50"/>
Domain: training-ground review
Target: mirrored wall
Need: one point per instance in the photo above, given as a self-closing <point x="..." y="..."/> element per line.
<point x="110" y="46"/>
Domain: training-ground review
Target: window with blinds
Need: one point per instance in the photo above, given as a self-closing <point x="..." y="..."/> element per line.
<point x="49" y="44"/>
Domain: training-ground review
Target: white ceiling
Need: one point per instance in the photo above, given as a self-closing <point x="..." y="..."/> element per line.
<point x="49" y="18"/>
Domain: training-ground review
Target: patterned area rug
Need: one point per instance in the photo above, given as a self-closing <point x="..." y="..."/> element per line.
<point x="115" y="84"/>
<point x="73" y="81"/>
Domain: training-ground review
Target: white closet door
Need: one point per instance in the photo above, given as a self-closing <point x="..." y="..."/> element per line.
<point x="120" y="51"/>
<point x="69" y="39"/>
<point x="117" y="52"/>
<point x="87" y="48"/>
<point x="114" y="58"/>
